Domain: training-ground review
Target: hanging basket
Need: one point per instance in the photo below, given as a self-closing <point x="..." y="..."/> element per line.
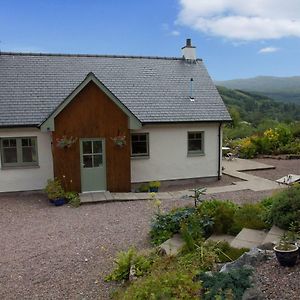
<point x="119" y="141"/>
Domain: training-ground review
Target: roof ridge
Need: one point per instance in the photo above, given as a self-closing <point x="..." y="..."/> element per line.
<point x="91" y="55"/>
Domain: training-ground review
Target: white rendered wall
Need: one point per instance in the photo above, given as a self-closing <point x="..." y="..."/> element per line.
<point x="168" y="153"/>
<point x="29" y="178"/>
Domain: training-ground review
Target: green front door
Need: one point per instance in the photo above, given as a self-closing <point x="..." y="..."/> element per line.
<point x="92" y="161"/>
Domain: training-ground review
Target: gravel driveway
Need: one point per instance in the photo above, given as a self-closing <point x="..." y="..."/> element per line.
<point x="63" y="253"/>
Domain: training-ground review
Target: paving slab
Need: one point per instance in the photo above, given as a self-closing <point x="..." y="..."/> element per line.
<point x="172" y="246"/>
<point x="274" y="235"/>
<point x="248" y="238"/>
<point x="239" y="164"/>
<point x="221" y="237"/>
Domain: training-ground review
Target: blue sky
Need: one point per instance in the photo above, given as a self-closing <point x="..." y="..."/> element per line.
<point x="235" y="40"/>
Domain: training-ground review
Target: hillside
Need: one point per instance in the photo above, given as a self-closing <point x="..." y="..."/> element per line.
<point x="285" y="89"/>
<point x="256" y="108"/>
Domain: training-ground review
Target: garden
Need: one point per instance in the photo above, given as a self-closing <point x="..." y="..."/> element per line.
<point x="269" y="138"/>
<point x="194" y="272"/>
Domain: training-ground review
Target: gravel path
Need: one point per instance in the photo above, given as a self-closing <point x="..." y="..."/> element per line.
<point x="52" y="252"/>
<point x="277" y="282"/>
<point x="283" y="167"/>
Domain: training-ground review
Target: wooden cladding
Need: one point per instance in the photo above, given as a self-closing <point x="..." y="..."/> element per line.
<point x="91" y="114"/>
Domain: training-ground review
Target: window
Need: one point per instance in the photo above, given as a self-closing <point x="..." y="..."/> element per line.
<point x="139" y="144"/>
<point x="92" y="154"/>
<point x="196" y="142"/>
<point x="19" y="152"/>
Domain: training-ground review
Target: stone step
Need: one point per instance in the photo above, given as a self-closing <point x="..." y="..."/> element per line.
<point x="274" y="235"/>
<point x="172" y="246"/>
<point x="221" y="237"/>
<point x="95" y="197"/>
<point x="248" y="238"/>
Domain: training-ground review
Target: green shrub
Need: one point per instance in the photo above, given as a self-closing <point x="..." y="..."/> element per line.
<point x="226" y="253"/>
<point x="143" y="188"/>
<point x="191" y="231"/>
<point x="154" y="184"/>
<point x="231" y="285"/>
<point x="246" y="148"/>
<point x="286" y="207"/>
<point x="163" y="285"/>
<point x="249" y="216"/>
<point x="54" y="189"/>
<point x="73" y="199"/>
<point x="202" y="258"/>
<point x="221" y="213"/>
<point x="163" y="226"/>
<point x="125" y="260"/>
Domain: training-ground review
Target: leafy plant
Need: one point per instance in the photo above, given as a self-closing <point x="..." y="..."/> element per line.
<point x="220" y="212"/>
<point x="65" y="142"/>
<point x="154" y="184"/>
<point x="231" y="285"/>
<point x="163" y="226"/>
<point x="286" y="242"/>
<point x="125" y="261"/>
<point x="202" y="257"/>
<point x="144" y="188"/>
<point x="54" y="189"/>
<point x="249" y="216"/>
<point x="198" y="192"/>
<point x="191" y="231"/>
<point x="73" y="199"/>
<point x="286" y="207"/>
<point x="163" y="285"/>
<point x="226" y="253"/>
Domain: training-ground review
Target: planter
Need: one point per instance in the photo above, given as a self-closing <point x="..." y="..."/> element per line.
<point x="287" y="258"/>
<point x="153" y="189"/>
<point x="58" y="202"/>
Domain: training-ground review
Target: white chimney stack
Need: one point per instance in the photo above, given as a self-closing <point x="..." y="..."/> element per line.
<point x="189" y="51"/>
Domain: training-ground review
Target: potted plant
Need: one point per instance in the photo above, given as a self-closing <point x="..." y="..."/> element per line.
<point x="286" y="252"/>
<point x="55" y="192"/>
<point x="73" y="199"/>
<point x="154" y="186"/>
<point x="143" y="188"/>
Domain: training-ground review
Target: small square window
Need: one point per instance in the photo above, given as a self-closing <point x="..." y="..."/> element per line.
<point x="139" y="144"/>
<point x="196" y="142"/>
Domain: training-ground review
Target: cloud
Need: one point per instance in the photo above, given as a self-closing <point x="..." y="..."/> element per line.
<point x="268" y="50"/>
<point x="242" y="20"/>
<point x="169" y="31"/>
<point x="175" y="33"/>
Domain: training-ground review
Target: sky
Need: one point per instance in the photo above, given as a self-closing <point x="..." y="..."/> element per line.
<point x="235" y="38"/>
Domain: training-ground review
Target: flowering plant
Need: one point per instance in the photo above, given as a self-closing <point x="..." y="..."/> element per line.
<point x="119" y="140"/>
<point x="65" y="142"/>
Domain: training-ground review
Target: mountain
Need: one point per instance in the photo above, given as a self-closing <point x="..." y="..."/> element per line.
<point x="255" y="108"/>
<point x="286" y="89"/>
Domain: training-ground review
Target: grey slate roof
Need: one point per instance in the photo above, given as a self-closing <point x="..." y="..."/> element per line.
<point x="154" y="89"/>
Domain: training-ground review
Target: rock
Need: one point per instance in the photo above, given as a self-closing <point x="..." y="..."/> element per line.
<point x="251" y="258"/>
<point x="266" y="246"/>
<point x="171" y="246"/>
<point x="132" y="274"/>
<point x="253" y="294"/>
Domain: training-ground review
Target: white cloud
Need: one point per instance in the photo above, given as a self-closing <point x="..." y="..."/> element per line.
<point x="175" y="33"/>
<point x="242" y="20"/>
<point x="268" y="50"/>
<point x="169" y="31"/>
